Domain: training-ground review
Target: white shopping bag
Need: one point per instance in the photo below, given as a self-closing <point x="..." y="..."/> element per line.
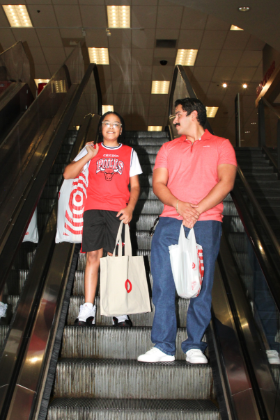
<point x="31" y="234"/>
<point x="71" y="203"/>
<point x="187" y="265"/>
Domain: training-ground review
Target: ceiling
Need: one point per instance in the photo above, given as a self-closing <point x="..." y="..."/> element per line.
<point x="228" y="56"/>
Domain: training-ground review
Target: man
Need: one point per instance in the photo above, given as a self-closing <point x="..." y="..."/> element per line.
<point x="192" y="176"/>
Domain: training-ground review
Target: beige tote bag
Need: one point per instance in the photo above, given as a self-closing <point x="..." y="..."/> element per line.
<point x="123" y="282"/>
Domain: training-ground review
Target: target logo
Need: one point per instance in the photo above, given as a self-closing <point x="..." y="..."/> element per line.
<point x="128" y="286"/>
<point x="75" y="209"/>
<point x="193" y="265"/>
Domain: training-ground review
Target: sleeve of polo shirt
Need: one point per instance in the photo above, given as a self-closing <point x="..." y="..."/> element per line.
<point x="161" y="159"/>
<point x="227" y="153"/>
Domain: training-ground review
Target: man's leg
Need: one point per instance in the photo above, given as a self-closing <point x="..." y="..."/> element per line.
<point x="164" y="328"/>
<point x="208" y="234"/>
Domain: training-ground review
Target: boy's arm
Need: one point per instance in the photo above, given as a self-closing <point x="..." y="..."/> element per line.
<point x="75" y="168"/>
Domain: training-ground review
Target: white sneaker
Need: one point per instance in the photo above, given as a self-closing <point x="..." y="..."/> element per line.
<point x="273" y="357"/>
<point x="86" y="315"/>
<point x="196" y="356"/>
<point x="3" y="309"/>
<point x="155" y="355"/>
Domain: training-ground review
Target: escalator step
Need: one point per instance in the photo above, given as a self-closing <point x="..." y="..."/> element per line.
<point x="147" y="151"/>
<point x="3" y="332"/>
<point x="131" y="409"/>
<point x="233" y="224"/>
<point x="147" y="134"/>
<point x="112" y="343"/>
<point x="138" y="320"/>
<point x="149" y="141"/>
<point x="102" y="378"/>
<point x="148" y="207"/>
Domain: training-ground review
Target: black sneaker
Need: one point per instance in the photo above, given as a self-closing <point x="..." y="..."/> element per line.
<point x="126" y="323"/>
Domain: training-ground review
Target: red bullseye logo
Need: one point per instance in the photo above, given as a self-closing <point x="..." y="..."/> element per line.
<point x="128" y="286"/>
<point x="193" y="266"/>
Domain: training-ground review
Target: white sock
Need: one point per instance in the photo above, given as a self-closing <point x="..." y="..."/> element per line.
<point x="89" y="305"/>
<point x="121" y="318"/>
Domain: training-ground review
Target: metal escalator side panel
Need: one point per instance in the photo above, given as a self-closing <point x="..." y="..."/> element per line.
<point x="237" y="384"/>
<point x="253" y="348"/>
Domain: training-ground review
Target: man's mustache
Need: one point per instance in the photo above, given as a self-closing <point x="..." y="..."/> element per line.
<point x="176" y="124"/>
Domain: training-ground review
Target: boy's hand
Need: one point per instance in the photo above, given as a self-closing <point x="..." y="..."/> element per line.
<point x="126" y="214"/>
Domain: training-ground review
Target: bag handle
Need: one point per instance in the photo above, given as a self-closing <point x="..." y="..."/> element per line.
<point x="127" y="247"/>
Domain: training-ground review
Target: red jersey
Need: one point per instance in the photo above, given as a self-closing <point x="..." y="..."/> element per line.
<point x="108" y="179"/>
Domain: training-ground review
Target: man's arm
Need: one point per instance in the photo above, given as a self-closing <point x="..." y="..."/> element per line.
<point x="127" y="212"/>
<point x="160" y="179"/>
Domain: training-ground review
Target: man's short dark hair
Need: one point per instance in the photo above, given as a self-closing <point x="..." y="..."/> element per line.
<point x="192" y="104"/>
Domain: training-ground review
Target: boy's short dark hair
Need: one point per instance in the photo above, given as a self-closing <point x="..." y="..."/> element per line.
<point x="121" y="138"/>
<point x="193" y="104"/>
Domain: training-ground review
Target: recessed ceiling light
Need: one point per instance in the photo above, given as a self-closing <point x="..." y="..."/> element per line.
<point x="243" y="9"/>
<point x="244" y="85"/>
<point x="107" y="108"/>
<point x="160" y="87"/>
<point x="235" y="28"/>
<point x="211" y="111"/>
<point x="155" y="128"/>
<point x="118" y="16"/>
<point x="77" y="127"/>
<point x="186" y="57"/>
<point x="37" y="81"/>
<point x="17" y="16"/>
<point x="98" y="55"/>
<point x="224" y="85"/>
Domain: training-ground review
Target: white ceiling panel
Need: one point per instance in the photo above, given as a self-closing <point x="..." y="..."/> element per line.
<point x="206" y="58"/>
<point x="65" y="1"/>
<point x="247" y="101"/>
<point x="7" y="38"/>
<point x="3" y="20"/>
<point x="159" y="100"/>
<point x="27" y="35"/>
<point x="166" y="53"/>
<point x="193" y="19"/>
<point x="120" y="37"/>
<point x="156" y="120"/>
<point x="140" y="72"/>
<point x="255" y="44"/>
<point x="68" y="16"/>
<point x="107" y="99"/>
<point x="94" y="16"/>
<point x="144" y="2"/>
<point x="141" y="86"/>
<point x="243" y="74"/>
<point x="164" y="33"/>
<point x="203" y="73"/>
<point x="258" y="76"/>
<point x="236" y="40"/>
<point x="92" y="2"/>
<point x="229" y="58"/>
<point x="106" y="87"/>
<point x="12" y="2"/>
<point x="140" y="100"/>
<point x="120" y="57"/>
<point x="37" y="55"/>
<point x="216" y="89"/>
<point x="213" y="100"/>
<point x="71" y="33"/>
<point x="155" y="111"/>
<point x="142" y="57"/>
<point x="49" y="37"/>
<point x="53" y="68"/>
<point x="122" y="98"/>
<point x="215" y="24"/>
<point x="118" y="2"/>
<point x="190" y="39"/>
<point x="123" y="86"/>
<point x="251" y="58"/>
<point x="162" y="72"/>
<point x="54" y="55"/>
<point x="42" y="15"/>
<point x="68" y="51"/>
<point x="36" y="2"/>
<point x="144" y="38"/>
<point x="169" y="16"/>
<point x="223" y="74"/>
<point x="97" y="38"/>
<point x="213" y="40"/>
<point x="42" y="71"/>
<point x="120" y="72"/>
<point x="143" y="16"/>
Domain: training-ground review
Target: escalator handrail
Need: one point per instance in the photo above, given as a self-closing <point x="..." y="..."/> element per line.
<point x="259" y="211"/>
<point x="29" y="202"/>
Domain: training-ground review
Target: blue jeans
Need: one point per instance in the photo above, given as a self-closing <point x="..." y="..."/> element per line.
<point x="164" y="330"/>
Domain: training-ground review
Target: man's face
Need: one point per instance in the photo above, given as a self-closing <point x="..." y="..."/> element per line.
<point x="182" y="121"/>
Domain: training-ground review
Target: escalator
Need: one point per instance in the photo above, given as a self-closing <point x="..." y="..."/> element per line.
<point x="74" y="372"/>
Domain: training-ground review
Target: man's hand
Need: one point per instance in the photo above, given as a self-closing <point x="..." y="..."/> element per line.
<point x="92" y="149"/>
<point x="126" y="214"/>
<point x="189" y="213"/>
